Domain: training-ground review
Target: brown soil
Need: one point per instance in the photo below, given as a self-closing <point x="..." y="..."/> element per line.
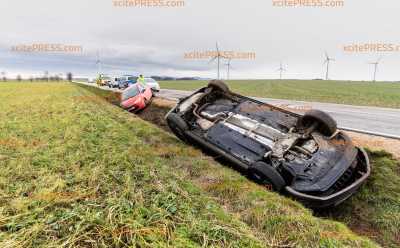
<point x="376" y="143"/>
<point x="155" y="113"/>
<point x="162" y="102"/>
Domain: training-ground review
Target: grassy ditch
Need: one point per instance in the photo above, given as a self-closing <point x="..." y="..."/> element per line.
<point x="373" y="212"/>
<point x="78" y="171"/>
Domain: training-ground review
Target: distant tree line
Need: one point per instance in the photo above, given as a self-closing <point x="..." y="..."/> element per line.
<point x="45" y="77"/>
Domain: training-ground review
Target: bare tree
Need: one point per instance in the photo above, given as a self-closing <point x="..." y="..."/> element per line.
<point x="69" y="76"/>
<point x="3" y="75"/>
<point x="19" y="78"/>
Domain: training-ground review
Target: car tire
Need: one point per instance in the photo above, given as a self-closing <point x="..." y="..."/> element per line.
<point x="327" y="125"/>
<point x="177" y="125"/>
<point x="219" y="85"/>
<point x="265" y="174"/>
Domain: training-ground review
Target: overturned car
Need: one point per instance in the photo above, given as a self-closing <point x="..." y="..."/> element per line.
<point x="305" y="156"/>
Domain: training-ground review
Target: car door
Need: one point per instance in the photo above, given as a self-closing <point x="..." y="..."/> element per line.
<point x="145" y="91"/>
<point x="148" y="93"/>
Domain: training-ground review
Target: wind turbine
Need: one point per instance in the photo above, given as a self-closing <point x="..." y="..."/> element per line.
<point x="281" y="70"/>
<point x="98" y="63"/>
<point x="327" y="62"/>
<point x="376" y="67"/>
<point x="218" y="58"/>
<point x="229" y="67"/>
<point x="46" y="75"/>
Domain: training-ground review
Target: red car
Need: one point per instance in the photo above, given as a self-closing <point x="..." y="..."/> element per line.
<point x="136" y="97"/>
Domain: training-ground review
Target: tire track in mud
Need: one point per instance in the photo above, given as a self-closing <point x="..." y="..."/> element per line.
<point x="155" y="113"/>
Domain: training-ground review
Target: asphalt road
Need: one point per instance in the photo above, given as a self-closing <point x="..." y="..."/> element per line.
<point x="370" y="120"/>
<point x="383" y="122"/>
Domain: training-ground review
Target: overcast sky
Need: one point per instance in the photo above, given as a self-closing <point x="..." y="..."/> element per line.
<point x="154" y="40"/>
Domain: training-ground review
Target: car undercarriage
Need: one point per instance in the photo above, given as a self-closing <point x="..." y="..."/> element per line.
<point x="305" y="156"/>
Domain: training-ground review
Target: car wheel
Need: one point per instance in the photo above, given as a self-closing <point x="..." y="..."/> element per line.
<point x="178" y="126"/>
<point x="266" y="175"/>
<point x="326" y="124"/>
<point x="219" y="85"/>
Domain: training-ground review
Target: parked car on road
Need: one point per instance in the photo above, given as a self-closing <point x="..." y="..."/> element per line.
<point x="153" y="84"/>
<point x="103" y="80"/>
<point x="136" y="97"/>
<point x="305" y="156"/>
<point x="126" y="80"/>
<point x="114" y="83"/>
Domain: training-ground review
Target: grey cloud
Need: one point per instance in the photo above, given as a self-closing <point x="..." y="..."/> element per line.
<point x="155" y="40"/>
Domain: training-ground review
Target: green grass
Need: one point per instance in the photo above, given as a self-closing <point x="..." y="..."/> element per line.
<point x="354" y="93"/>
<point x="375" y="210"/>
<point x="78" y="171"/>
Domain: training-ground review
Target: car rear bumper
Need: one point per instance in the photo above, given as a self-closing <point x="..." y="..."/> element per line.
<point x="338" y="197"/>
